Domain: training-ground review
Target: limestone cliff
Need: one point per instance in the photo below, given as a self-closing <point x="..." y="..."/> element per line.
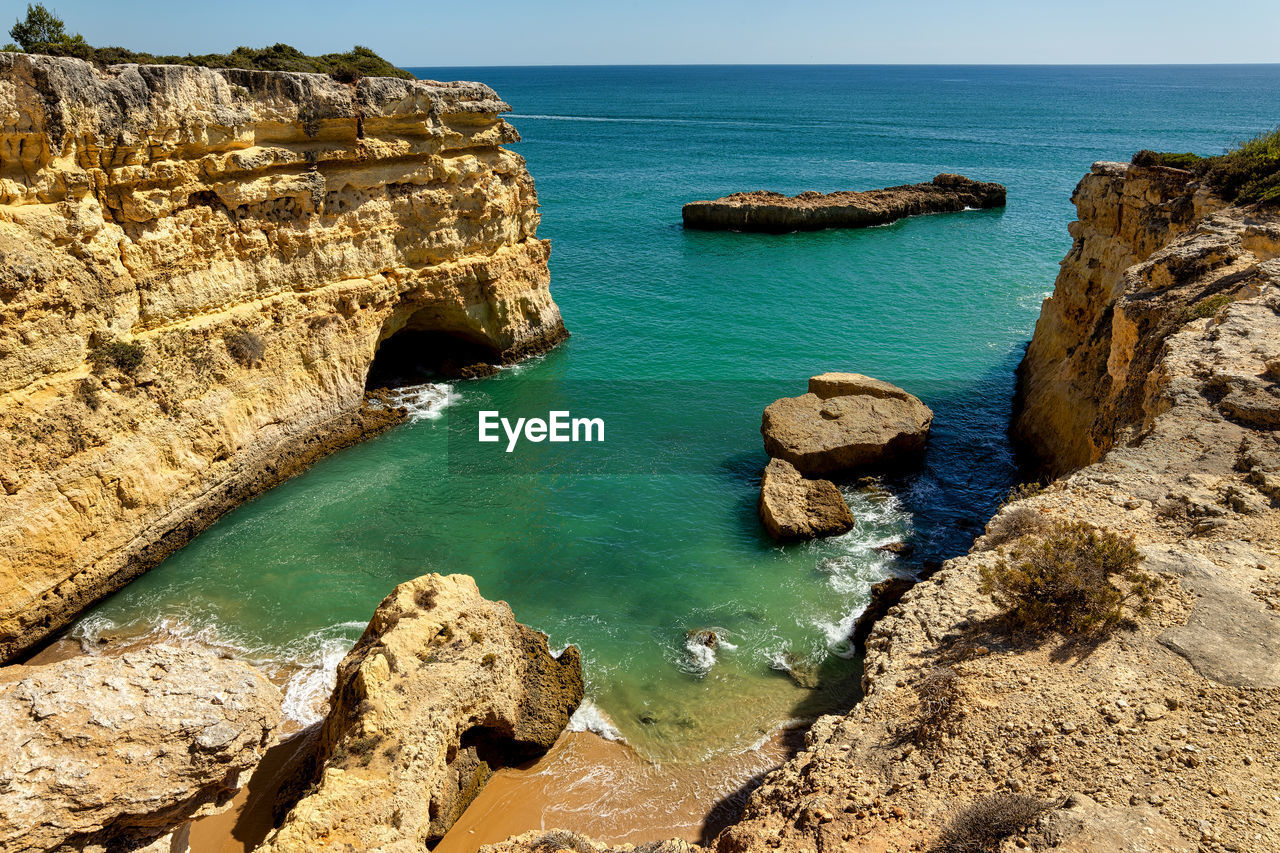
<point x="1078" y="384"/>
<point x="1151" y="739"/>
<point x="443" y="688"/>
<point x="199" y="269"/>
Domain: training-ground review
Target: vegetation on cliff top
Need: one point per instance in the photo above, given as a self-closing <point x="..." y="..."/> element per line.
<point x="44" y="32"/>
<point x="1248" y="173"/>
<point x="1064" y="581"/>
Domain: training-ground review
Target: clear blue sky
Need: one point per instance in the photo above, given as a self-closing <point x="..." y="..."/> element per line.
<point x="592" y="32"/>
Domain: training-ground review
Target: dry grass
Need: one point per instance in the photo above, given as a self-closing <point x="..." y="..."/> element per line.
<point x="980" y="826"/>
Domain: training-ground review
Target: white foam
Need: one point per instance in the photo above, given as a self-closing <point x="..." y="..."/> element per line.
<point x="306" y="695"/>
<point x="701" y="657"/>
<point x="590" y="717"/>
<point x="424" y="402"/>
<point x="90" y="630"/>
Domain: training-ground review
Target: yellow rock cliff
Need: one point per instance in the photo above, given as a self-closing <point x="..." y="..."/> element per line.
<point x="200" y="266"/>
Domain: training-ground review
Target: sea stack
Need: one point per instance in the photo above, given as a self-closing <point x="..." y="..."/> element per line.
<point x="846" y="421"/>
<point x="793" y="507"/>
<point x="776" y="213"/>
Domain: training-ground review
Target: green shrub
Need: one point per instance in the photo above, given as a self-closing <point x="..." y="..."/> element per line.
<point x="1012" y="524"/>
<point x="362" y="748"/>
<point x="41" y="31"/>
<point x="44" y="32"/>
<point x="1065" y="579"/>
<point x="1248" y="173"/>
<point x="125" y="356"/>
<point x="981" y="826"/>
<point x="1208" y="307"/>
<point x="489" y="659"/>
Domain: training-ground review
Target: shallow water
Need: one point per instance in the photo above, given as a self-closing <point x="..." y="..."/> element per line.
<point x="679" y="340"/>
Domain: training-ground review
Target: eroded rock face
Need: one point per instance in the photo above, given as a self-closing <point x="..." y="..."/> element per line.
<point x="793" y="507"/>
<point x="846" y="421"/>
<point x="774" y="212"/>
<point x="200" y="266"/>
<point x="443" y="687"/>
<point x="1099" y="334"/>
<point x="116" y="753"/>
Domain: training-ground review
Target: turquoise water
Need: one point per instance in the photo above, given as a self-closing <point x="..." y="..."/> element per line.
<point x="679" y="340"/>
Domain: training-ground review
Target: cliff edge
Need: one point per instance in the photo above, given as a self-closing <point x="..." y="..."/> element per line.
<point x="201" y="267"/>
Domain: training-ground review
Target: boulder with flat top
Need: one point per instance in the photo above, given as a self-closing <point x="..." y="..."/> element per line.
<point x="847" y="421"/>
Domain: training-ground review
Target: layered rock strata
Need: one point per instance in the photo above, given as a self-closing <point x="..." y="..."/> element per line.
<point x="1150" y="739"/>
<point x="200" y="269"/>
<point x="443" y="688"/>
<point x="762" y="210"/>
<point x="846" y="421"/>
<point x="793" y="507"/>
<point x="122" y="753"/>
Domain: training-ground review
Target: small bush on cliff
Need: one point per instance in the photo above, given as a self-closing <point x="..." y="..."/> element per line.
<point x="1066" y="579"/>
<point x="245" y="347"/>
<point x="1247" y="174"/>
<point x="1012" y="524"/>
<point x="980" y="826"/>
<point x="124" y="356"/>
<point x="1209" y="307"/>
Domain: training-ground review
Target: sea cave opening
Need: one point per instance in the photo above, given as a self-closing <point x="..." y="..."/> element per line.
<point x="413" y="356"/>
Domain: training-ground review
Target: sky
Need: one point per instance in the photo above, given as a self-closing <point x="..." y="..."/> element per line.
<point x="662" y="32"/>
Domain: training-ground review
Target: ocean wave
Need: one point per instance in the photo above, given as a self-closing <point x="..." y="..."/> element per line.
<point x="701" y="651"/>
<point x="590" y="717"/>
<point x="307" y="692"/>
<point x="424" y="402"/>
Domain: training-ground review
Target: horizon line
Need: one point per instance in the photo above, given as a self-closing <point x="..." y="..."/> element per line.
<point x="862" y="65"/>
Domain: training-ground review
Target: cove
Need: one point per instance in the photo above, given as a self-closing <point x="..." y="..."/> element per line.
<point x="625" y="561"/>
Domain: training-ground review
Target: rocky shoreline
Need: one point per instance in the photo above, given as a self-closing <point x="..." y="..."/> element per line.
<point x="772" y="212"/>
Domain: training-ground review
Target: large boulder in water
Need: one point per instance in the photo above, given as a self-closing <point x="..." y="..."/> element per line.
<point x="443" y="688"/>
<point x="793" y="507"/>
<point x="120" y="753"/>
<point x="846" y="421"/>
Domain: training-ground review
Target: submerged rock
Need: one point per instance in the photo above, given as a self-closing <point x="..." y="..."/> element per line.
<point x="443" y="688"/>
<point x="118" y="753"/>
<point x="793" y="507"/>
<point x="846" y="421"/>
<point x="774" y="212"/>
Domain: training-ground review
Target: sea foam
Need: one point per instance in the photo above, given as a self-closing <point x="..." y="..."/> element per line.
<point x="590" y="717"/>
<point x="424" y="402"/>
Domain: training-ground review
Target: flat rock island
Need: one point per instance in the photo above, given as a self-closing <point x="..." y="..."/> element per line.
<point x="776" y="213"/>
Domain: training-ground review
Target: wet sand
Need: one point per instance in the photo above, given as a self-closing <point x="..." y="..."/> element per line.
<point x="604" y="790"/>
<point x="242" y="827"/>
